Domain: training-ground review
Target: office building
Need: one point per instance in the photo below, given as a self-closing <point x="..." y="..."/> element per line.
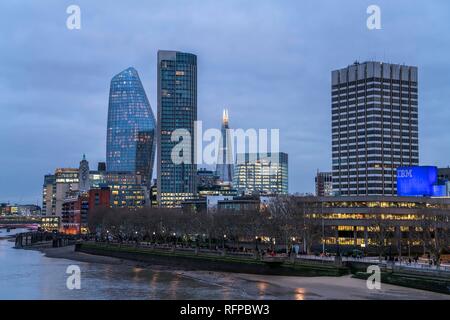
<point x="66" y="182"/>
<point x="210" y="184"/>
<point x="361" y="221"/>
<point x="49" y="195"/>
<point x="28" y="210"/>
<point x="130" y="143"/>
<point x="101" y="166"/>
<point x="324" y="184"/>
<point x="177" y="110"/>
<point x="154" y="196"/>
<point x="264" y="174"/>
<point x="374" y="126"/>
<point x="127" y="190"/>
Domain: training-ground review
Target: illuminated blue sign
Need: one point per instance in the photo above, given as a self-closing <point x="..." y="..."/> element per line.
<point x="417" y="181"/>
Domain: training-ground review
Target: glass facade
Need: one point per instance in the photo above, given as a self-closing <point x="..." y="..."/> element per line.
<point x="131" y="141"/>
<point x="224" y="167"/>
<point x="177" y="109"/>
<point x="261" y="174"/>
<point x="127" y="190"/>
<point x="49" y="195"/>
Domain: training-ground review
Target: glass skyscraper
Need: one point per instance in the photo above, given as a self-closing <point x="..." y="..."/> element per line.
<point x="130" y="145"/>
<point x="224" y="167"/>
<point x="177" y="109"/>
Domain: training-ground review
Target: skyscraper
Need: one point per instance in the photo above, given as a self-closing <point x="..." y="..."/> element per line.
<point x="224" y="167"/>
<point x="374" y="126"/>
<point x="130" y="143"/>
<point x="177" y="110"/>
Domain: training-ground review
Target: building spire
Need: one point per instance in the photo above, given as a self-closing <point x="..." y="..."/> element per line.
<point x="225" y="117"/>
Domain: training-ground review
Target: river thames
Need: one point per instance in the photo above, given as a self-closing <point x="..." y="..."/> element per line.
<point x="29" y="274"/>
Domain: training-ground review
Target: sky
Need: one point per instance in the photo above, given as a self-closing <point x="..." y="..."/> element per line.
<point x="268" y="61"/>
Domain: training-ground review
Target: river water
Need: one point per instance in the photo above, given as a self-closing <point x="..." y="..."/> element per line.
<point x="28" y="274"/>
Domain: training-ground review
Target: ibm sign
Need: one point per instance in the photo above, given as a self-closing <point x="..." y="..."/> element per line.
<point x="417" y="181"/>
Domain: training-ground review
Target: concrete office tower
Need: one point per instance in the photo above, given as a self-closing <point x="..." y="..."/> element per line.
<point x="374" y="126"/>
<point x="130" y="145"/>
<point x="177" y="110"/>
<point x="324" y="184"/>
<point x="224" y="167"/>
<point x="83" y="174"/>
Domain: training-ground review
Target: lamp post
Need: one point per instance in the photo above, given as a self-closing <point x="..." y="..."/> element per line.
<point x="323" y="236"/>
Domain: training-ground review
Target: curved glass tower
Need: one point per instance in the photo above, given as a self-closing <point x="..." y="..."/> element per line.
<point x="130" y="145"/>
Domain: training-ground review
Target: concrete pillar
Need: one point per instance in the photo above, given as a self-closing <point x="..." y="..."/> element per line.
<point x="398" y="235"/>
<point x="366" y="236"/>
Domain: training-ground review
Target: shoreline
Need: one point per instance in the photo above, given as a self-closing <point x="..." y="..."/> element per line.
<point x="305" y="287"/>
<point x="69" y="253"/>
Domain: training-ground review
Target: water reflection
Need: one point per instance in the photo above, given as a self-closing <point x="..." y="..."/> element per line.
<point x="262" y="287"/>
<point x="27" y="274"/>
<point x="300" y="294"/>
<point x="173" y="288"/>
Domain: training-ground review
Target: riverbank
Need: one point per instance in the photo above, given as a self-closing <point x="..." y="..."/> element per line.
<point x="266" y="286"/>
<point x="69" y="253"/>
<point x="214" y="260"/>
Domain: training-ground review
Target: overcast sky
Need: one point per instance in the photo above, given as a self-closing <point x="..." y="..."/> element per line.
<point x="268" y="62"/>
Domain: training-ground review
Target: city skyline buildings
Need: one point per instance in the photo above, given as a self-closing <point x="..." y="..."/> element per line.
<point x="393" y="75"/>
<point x="177" y="110"/>
<point x="231" y="74"/>
<point x="130" y="141"/>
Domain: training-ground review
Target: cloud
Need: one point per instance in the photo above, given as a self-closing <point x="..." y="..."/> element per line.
<point x="269" y="62"/>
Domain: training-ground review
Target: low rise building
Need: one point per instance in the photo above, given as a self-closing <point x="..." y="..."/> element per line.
<point x="359" y="221"/>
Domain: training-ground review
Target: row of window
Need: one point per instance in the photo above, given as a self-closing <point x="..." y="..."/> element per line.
<point x="375" y="94"/>
<point x="373" y="145"/>
<point x="371" y="86"/>
<point x="376" y="80"/>
<point x="363" y="108"/>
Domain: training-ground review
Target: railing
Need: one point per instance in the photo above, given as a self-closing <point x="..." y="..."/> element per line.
<point x="422" y="267"/>
<point x="397" y="266"/>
